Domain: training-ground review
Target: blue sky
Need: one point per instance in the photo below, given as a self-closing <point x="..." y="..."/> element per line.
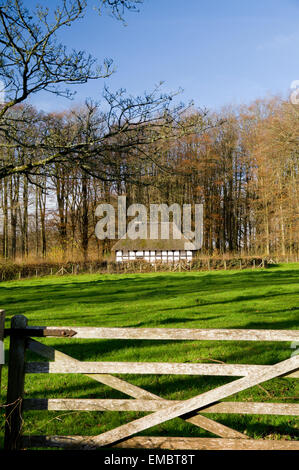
<point x="219" y="52"/>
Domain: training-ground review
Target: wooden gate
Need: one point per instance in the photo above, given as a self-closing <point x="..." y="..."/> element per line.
<point x="21" y="338"/>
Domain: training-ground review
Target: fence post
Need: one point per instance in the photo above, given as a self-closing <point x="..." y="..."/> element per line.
<point x="15" y="388"/>
<point x="2" y="319"/>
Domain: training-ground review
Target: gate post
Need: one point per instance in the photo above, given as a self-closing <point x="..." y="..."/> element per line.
<point x="15" y="386"/>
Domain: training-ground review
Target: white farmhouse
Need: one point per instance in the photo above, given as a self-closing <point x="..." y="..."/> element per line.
<point x="163" y="250"/>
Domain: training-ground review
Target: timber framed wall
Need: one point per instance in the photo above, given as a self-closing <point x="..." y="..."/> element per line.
<point x="21" y="338"/>
<point x="154" y="256"/>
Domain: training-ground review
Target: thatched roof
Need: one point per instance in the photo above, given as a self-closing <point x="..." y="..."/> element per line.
<point x="176" y="241"/>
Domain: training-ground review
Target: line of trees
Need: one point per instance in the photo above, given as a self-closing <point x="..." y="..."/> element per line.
<point x="242" y="164"/>
<point x="66" y="154"/>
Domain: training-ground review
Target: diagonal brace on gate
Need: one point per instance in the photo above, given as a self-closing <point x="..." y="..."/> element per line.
<point x="137" y="392"/>
<point x="190" y="405"/>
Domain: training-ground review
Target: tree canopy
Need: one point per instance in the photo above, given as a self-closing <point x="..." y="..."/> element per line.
<point x="32" y="60"/>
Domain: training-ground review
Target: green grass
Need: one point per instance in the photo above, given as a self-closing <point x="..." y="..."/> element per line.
<point x="222" y="299"/>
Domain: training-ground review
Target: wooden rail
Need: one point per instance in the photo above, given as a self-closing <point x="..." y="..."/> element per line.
<point x="176" y="334"/>
<point x="65" y="367"/>
<point x="161" y="410"/>
<point x="87" y="404"/>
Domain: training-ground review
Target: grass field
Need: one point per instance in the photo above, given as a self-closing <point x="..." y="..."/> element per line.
<point x="266" y="298"/>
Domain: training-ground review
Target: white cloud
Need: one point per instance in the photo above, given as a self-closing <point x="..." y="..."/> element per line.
<point x="280" y="41"/>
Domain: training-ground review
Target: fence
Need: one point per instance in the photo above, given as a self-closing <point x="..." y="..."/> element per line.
<point x="21" y="338"/>
<point x="17" y="271"/>
<point x="14" y="271"/>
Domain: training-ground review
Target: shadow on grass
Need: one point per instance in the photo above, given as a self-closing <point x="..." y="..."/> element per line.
<point x="28" y="297"/>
